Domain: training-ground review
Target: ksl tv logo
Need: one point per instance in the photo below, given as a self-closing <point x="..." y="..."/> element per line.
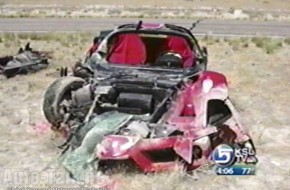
<point x="225" y="155"/>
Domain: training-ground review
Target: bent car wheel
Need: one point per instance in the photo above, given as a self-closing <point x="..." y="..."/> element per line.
<point x="58" y="91"/>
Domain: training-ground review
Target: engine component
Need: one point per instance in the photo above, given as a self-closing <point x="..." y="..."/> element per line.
<point x="137" y="128"/>
<point x="103" y="90"/>
<point x="162" y="131"/>
<point x="138" y="101"/>
<point x="108" y="94"/>
<point x="82" y="96"/>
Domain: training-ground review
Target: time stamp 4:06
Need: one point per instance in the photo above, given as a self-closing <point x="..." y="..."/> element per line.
<point x="234" y="161"/>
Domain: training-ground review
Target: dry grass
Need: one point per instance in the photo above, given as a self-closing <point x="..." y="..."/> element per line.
<point x="258" y="86"/>
<point x="261" y="4"/>
<point x="65" y="38"/>
<point x="268" y="45"/>
<point x="187" y="9"/>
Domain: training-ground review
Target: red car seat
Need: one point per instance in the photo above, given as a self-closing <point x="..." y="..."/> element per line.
<point x="128" y="49"/>
<point x="180" y="45"/>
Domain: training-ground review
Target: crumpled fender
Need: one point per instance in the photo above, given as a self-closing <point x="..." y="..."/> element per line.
<point x="210" y="85"/>
<point x="183" y="145"/>
<point x="209" y="81"/>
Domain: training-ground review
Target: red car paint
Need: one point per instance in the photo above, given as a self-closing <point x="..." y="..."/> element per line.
<point x="188" y="114"/>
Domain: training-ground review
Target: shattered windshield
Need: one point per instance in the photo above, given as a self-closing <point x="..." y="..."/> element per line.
<point x="80" y="160"/>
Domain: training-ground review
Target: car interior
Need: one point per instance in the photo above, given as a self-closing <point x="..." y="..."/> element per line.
<point x="153" y="49"/>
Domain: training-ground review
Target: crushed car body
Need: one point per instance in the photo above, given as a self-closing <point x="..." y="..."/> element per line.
<point x="25" y="61"/>
<point x="143" y="95"/>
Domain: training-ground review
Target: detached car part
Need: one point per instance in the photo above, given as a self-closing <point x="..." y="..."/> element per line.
<point x="27" y="60"/>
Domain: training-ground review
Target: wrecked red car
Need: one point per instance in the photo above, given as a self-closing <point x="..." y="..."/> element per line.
<point x="144" y="96"/>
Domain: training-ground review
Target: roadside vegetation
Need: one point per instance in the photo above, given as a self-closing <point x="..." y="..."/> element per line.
<point x="65" y="39"/>
<point x="268" y="45"/>
<point x="61" y="37"/>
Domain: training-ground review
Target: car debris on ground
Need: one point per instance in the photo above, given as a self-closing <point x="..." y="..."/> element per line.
<point x="25" y="61"/>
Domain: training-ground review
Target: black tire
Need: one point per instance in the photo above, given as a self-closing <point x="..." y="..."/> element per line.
<point x="54" y="95"/>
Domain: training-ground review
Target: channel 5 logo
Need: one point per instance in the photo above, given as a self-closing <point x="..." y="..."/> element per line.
<point x="224" y="155"/>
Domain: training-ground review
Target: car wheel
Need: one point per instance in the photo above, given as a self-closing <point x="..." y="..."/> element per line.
<point x="55" y="94"/>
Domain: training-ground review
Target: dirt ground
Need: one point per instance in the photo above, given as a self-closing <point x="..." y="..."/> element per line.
<point x="259" y="87"/>
<point x="257" y="4"/>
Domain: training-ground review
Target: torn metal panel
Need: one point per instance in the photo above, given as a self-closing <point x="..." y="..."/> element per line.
<point x="25" y="61"/>
<point x="78" y="161"/>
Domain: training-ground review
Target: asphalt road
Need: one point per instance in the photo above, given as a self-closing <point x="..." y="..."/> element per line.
<point x="212" y="27"/>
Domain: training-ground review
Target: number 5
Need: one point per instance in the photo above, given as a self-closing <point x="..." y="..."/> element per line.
<point x="224" y="153"/>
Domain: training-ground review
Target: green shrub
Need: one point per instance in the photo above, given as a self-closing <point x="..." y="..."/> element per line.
<point x="267" y="44"/>
<point x="238" y="43"/>
<point x="209" y="40"/>
<point x="287" y="41"/>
